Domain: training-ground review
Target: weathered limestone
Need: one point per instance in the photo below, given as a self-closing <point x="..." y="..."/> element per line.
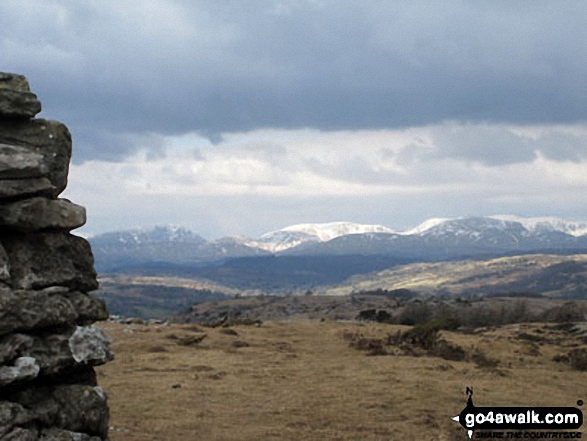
<point x="25" y="368"/>
<point x="50" y="259"/>
<point x="20" y="163"/>
<point x="11" y="188"/>
<point x="50" y="139"/>
<point x="22" y="310"/>
<point x="16" y="99"/>
<point x="39" y="213"/>
<point x="75" y="408"/>
<point x="48" y="344"/>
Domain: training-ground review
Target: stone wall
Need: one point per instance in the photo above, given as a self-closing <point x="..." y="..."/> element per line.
<point x="48" y="345"/>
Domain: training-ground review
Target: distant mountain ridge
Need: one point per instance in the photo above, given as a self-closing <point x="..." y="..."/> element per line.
<point x="432" y="239"/>
<point x="295" y="235"/>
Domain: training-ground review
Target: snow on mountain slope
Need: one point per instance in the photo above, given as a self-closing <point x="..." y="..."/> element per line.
<point x="295" y="235"/>
<point x="473" y="225"/>
<point x="172" y="243"/>
<point x="331" y="230"/>
<point x="158" y="234"/>
<point x="425" y="226"/>
<point x="536" y="224"/>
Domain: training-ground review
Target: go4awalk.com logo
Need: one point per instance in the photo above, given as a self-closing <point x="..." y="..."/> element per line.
<point x="520" y="422"/>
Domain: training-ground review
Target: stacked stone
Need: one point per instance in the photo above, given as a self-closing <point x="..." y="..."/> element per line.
<point x="48" y="344"/>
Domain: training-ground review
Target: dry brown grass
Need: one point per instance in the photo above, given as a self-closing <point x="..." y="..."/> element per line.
<point x="302" y="381"/>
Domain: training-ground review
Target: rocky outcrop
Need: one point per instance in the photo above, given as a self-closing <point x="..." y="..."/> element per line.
<point x="48" y="343"/>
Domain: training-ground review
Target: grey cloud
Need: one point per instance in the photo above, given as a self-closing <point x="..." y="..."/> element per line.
<point x="563" y="146"/>
<point x="490" y="145"/>
<point x="114" y="146"/>
<point x="172" y="67"/>
<point x="496" y="145"/>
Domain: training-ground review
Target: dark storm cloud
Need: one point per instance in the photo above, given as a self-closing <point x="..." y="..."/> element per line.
<point x="164" y="67"/>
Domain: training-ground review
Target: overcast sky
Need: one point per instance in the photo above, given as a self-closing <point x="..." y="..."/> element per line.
<point x="240" y="117"/>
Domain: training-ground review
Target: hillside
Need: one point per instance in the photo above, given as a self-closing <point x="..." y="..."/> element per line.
<point x="166" y="292"/>
<point x="157" y="297"/>
<point x="549" y="275"/>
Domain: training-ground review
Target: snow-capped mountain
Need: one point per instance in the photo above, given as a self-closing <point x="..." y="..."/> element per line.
<point x="328" y="231"/>
<point x="433" y="239"/>
<point x="547" y="224"/>
<point x="163" y="244"/>
<point x="294" y="235"/>
<point x="531" y="224"/>
<point x="144" y="236"/>
<point x="461" y="237"/>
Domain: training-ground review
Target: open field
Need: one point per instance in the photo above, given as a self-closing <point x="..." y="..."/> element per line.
<point x="303" y="381"/>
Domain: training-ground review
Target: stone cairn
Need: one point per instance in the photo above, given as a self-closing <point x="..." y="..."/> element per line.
<point x="48" y="345"/>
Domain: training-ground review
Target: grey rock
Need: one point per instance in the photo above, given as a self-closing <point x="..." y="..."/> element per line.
<point x="89" y="344"/>
<point x="55" y="290"/>
<point x="11" y="415"/>
<point x="22" y="310"/>
<point x="15" y="188"/>
<point x="83" y="409"/>
<point x="40" y="213"/>
<point x="4" y="266"/>
<point x="66" y="435"/>
<point x="25" y="368"/>
<point x="50" y="139"/>
<point x="20" y="434"/>
<point x="26" y="310"/>
<point x="53" y="352"/>
<point x="89" y="309"/>
<point x="20" y="163"/>
<point x="13" y="346"/>
<point x="17" y="104"/>
<point x="14" y="82"/>
<point x="16" y="99"/>
<point x="45" y="259"/>
<point x="75" y="408"/>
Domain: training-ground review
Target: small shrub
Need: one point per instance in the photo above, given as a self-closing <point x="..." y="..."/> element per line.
<point x="425" y="336"/>
<point x="367" y="314"/>
<point x="483" y="361"/>
<point x="481" y="316"/>
<point x="518" y="313"/>
<point x="448" y="323"/>
<point x="375" y="315"/>
<point x="564" y="327"/>
<point x="245" y="321"/>
<point x="530" y="337"/>
<point x="568" y="312"/>
<point x="240" y="344"/>
<point x="448" y="351"/>
<point x="191" y="340"/>
<point x="383" y="316"/>
<point x="415" y="314"/>
<point x="373" y="346"/>
<point x="155" y="349"/>
<point x="560" y="358"/>
<point x="578" y="359"/>
<point x="228" y="331"/>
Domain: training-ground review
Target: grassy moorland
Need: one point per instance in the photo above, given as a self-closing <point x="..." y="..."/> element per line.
<point x="311" y="380"/>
